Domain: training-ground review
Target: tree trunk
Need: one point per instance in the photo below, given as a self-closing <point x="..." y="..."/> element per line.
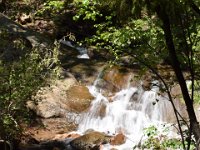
<point x="194" y="125"/>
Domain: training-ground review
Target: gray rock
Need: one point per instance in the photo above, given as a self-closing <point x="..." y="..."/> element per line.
<point x="48" y="101"/>
<point x="36" y="39"/>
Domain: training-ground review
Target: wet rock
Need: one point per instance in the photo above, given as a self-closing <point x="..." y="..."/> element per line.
<point x="78" y="98"/>
<point x="86" y="71"/>
<point x="90" y="141"/>
<point x="135" y="97"/>
<point x="99" y="54"/>
<point x="89" y="131"/>
<point x="147" y="82"/>
<point x="118" y="77"/>
<point x="102" y="110"/>
<point x="114" y="79"/>
<point x="118" y="139"/>
<point x="66" y="135"/>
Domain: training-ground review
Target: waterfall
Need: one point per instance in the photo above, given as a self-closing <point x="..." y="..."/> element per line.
<point x="129" y="111"/>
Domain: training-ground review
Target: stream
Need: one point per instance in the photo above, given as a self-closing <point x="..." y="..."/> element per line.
<point x="129" y="111"/>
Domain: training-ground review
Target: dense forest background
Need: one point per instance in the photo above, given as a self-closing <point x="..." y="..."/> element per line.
<point x="135" y="32"/>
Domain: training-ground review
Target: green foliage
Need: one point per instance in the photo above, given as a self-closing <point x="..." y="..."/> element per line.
<point x="20" y="78"/>
<point x="151" y="131"/>
<point x="128" y="8"/>
<point x="9" y="128"/>
<point x="141" y="37"/>
<point x="157" y="139"/>
<point x="196" y="90"/>
<point x="51" y="8"/>
<point x="152" y="141"/>
<point x="196" y="47"/>
<point x="138" y="37"/>
<point x="87" y="11"/>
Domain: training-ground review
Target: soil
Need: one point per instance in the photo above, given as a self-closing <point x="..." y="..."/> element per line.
<point x="46" y="130"/>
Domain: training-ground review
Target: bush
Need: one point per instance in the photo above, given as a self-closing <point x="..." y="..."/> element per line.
<point x="20" y="78"/>
<point x="158" y="139"/>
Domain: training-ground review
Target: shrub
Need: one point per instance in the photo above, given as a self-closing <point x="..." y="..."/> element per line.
<point x="20" y="78"/>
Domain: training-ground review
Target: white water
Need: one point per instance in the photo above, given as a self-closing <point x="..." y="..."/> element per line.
<point x="81" y="50"/>
<point x="129" y="111"/>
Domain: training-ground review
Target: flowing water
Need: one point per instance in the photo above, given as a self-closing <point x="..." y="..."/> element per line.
<point x="129" y="111"/>
<point x="81" y="50"/>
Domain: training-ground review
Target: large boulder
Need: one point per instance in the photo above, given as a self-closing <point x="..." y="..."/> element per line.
<point x="63" y="97"/>
<point x="118" y="77"/>
<point x="113" y="79"/>
<point x="78" y="99"/>
<point x="48" y="102"/>
<point x="90" y="141"/>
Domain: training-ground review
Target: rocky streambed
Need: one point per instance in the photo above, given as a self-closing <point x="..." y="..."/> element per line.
<point x="63" y="105"/>
<point x="62" y="108"/>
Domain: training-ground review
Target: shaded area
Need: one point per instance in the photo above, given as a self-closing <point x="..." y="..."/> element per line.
<point x="35" y="38"/>
<point x="84" y="70"/>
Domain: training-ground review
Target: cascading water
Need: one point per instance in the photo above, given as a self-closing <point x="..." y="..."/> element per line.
<point x="81" y="50"/>
<point x="128" y="111"/>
